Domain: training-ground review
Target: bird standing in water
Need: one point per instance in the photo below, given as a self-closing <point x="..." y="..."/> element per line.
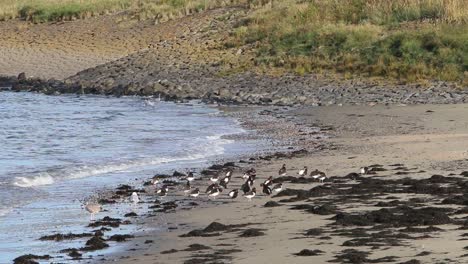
<point x="134" y="198"/>
<point x="93" y="208"/>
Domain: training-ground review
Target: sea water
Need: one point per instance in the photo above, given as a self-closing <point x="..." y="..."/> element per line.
<point x="57" y="151"/>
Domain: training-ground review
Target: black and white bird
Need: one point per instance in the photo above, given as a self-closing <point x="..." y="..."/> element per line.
<point x="364" y="170"/>
<point x="303" y="172"/>
<point x="268" y="181"/>
<point x="224" y="181"/>
<point x="190" y="176"/>
<point x="278" y="187"/>
<point x="233" y="194"/>
<point x="211" y="187"/>
<point x="215" y="192"/>
<point x="155" y="180"/>
<point x="247" y="186"/>
<point x="214" y="178"/>
<point x="250" y="173"/>
<point x="187" y="187"/>
<point x="195" y="193"/>
<point x="251" y="194"/>
<point x="162" y="191"/>
<point x="228" y="173"/>
<point x="266" y="190"/>
<point x="282" y="171"/>
<point x="322" y="178"/>
<point x="316" y="174"/>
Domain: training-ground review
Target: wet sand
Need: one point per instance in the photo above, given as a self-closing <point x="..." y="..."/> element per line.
<point x="425" y="139"/>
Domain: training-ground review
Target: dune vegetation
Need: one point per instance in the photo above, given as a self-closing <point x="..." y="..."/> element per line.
<point x="57" y="10"/>
<point x="407" y="40"/>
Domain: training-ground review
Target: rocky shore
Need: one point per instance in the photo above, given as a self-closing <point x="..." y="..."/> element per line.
<point x="407" y="208"/>
<point x="247" y="89"/>
<point x="189" y="58"/>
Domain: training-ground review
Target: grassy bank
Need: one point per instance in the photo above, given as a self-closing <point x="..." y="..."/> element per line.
<point x="57" y="10"/>
<point x="402" y="39"/>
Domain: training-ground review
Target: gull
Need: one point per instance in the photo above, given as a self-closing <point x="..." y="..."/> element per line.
<point x="134" y="198"/>
<point x="93" y="208"/>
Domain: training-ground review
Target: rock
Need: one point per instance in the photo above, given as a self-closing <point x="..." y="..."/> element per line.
<point x="308" y="252"/>
<point x="131" y="214"/>
<point x="400" y="216"/>
<point x="69" y="236"/>
<point x="75" y="254"/>
<point x="271" y="204"/>
<point x="196" y="247"/>
<point x="215" y="227"/>
<point x="119" y="238"/>
<point x="252" y="232"/>
<point x="95" y="243"/>
<point x="30" y="259"/>
<point x="178" y="174"/>
<point x="314" y="232"/>
<point x="107" y="221"/>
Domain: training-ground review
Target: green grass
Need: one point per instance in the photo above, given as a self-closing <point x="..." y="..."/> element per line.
<point x="401" y="39"/>
<point x="56" y="10"/>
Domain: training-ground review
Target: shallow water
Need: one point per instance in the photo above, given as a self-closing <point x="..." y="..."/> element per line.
<point x="59" y="150"/>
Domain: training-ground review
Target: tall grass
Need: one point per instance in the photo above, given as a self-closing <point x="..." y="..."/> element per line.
<point x="53" y="10"/>
<point x="402" y="39"/>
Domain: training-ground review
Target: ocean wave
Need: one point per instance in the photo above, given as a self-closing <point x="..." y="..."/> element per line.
<point x="214" y="146"/>
<point x="42" y="179"/>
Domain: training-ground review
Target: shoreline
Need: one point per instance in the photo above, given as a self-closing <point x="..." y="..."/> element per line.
<point x="364" y="122"/>
<point x="303" y="224"/>
<point x="122" y="194"/>
<point x="407" y="130"/>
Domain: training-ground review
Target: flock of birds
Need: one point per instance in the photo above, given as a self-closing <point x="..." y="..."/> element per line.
<point x="218" y="183"/>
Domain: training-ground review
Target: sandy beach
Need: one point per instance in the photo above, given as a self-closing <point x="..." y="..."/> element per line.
<point x="410" y="205"/>
<point x="426" y="140"/>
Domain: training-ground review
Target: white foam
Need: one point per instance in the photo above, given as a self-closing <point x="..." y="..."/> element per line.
<point x="214" y="146"/>
<point x="25" y="182"/>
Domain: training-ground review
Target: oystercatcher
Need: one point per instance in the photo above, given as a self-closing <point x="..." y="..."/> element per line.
<point x="233" y="194"/>
<point x="251" y="194"/>
<point x="282" y="171"/>
<point x="303" y="172"/>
